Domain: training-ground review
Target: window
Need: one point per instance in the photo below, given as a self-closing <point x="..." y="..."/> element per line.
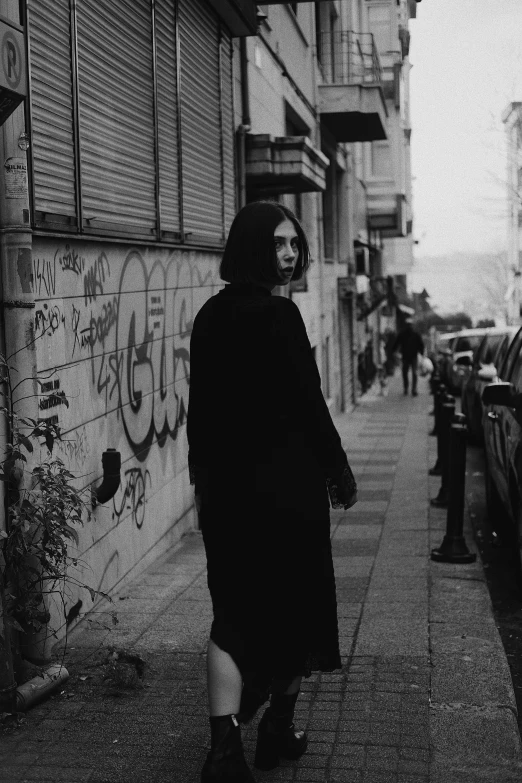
<point x="381" y="160"/>
<point x="502" y="351"/>
<point x="132" y="119"/>
<point x="512" y="354"/>
<point x="516" y="373"/>
<point x="318" y="29"/>
<point x="489" y="347"/>
<point x="332" y="200"/>
<point x="380" y="25"/>
<point x="469" y="343"/>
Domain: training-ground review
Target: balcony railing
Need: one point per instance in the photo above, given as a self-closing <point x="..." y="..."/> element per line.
<point x="348" y="57"/>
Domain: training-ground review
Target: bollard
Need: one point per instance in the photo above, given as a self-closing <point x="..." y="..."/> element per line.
<point x="443" y="436"/>
<point x="453" y="548"/>
<point x="435" y="382"/>
<point x="440" y="392"/>
<point x="436" y="470"/>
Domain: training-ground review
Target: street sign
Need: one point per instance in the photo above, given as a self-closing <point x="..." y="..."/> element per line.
<point x="13" y="70"/>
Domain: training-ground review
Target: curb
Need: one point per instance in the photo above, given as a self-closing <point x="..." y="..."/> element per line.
<point x="473" y="714"/>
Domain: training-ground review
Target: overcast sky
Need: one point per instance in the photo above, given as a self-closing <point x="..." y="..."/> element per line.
<point x="467" y="66"/>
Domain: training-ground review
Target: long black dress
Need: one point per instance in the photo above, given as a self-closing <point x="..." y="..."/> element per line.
<point x="263" y="454"/>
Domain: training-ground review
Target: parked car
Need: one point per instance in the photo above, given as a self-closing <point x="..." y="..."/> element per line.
<point x="463" y="347"/>
<point x="502" y="402"/>
<point x="487" y="358"/>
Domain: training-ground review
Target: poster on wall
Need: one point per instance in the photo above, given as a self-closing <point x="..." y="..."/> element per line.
<point x="15" y="178"/>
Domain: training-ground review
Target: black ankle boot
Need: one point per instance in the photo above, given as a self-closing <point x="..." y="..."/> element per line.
<point x="226" y="761"/>
<point x="276" y="735"/>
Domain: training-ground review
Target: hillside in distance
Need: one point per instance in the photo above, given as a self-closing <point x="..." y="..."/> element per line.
<point x="473" y="282"/>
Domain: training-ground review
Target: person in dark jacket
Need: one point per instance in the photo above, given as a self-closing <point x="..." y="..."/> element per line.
<point x="265" y="460"/>
<point x="410" y="344"/>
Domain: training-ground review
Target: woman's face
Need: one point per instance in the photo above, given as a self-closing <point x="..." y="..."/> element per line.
<point x="287" y="249"/>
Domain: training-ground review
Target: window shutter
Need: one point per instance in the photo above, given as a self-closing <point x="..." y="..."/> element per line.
<point x="167" y="102"/>
<point x="200" y="122"/>
<point x="115" y="73"/>
<point x="52" y="111"/>
<point x="227" y="109"/>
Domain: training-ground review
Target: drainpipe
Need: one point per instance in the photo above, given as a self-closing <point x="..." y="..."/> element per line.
<point x="111" y="462"/>
<point x="319" y="216"/>
<point x="245" y="126"/>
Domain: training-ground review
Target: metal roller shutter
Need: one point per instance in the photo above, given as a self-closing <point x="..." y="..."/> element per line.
<point x="167" y="104"/>
<point x="227" y="109"/>
<point x="200" y="122"/>
<point x="347" y="354"/>
<point x="116" y="94"/>
<point x="52" y="110"/>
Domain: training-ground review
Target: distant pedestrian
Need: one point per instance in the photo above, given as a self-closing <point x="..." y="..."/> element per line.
<point x="381" y="369"/>
<point x="410" y="344"/>
<point x="265" y="458"/>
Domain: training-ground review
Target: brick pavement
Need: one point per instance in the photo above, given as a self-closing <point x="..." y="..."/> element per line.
<point x="424" y="693"/>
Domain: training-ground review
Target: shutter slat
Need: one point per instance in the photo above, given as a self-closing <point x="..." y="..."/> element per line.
<point x="52" y="107"/>
<point x="116" y="112"/>
<point x="167" y="99"/>
<point x="227" y="108"/>
<point x="201" y="137"/>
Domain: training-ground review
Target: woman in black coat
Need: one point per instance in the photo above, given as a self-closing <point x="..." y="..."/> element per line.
<point x="265" y="459"/>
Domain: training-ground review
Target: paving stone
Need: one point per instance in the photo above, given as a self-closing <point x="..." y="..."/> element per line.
<point x="352" y="565"/>
<point x="345" y="776"/>
<point x="359" y="547"/>
<point x="369" y="722"/>
<point x="356" y="532"/>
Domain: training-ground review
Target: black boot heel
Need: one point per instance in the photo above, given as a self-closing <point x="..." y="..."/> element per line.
<point x="273" y="745"/>
<point x="226" y="762"/>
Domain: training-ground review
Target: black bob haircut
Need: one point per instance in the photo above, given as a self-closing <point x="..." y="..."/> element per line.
<point x="250" y="254"/>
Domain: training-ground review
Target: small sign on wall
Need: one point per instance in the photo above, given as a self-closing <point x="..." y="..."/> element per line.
<point x="13" y="70"/>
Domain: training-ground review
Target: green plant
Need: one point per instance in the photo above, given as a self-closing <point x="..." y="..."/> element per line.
<point x="44" y="509"/>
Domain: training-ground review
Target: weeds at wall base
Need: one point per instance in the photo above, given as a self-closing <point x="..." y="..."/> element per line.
<point x="44" y="509"/>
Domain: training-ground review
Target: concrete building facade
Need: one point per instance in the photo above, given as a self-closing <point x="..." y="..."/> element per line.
<point x="141" y="135"/>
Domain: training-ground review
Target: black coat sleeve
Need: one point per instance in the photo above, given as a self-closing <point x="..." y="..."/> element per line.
<point x="305" y="387"/>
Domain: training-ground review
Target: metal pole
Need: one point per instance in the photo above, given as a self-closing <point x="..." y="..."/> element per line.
<point x="17" y="315"/>
<point x="446" y="416"/>
<point x="453" y="548"/>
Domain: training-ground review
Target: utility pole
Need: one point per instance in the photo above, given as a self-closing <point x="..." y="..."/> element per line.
<point x="17" y="304"/>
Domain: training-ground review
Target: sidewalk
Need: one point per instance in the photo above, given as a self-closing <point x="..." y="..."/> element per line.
<point x="425" y="692"/>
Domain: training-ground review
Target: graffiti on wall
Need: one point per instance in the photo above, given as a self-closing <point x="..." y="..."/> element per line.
<point x="126" y="321"/>
<point x="131" y="497"/>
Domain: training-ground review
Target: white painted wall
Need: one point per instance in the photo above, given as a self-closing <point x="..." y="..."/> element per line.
<point x="113" y="326"/>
